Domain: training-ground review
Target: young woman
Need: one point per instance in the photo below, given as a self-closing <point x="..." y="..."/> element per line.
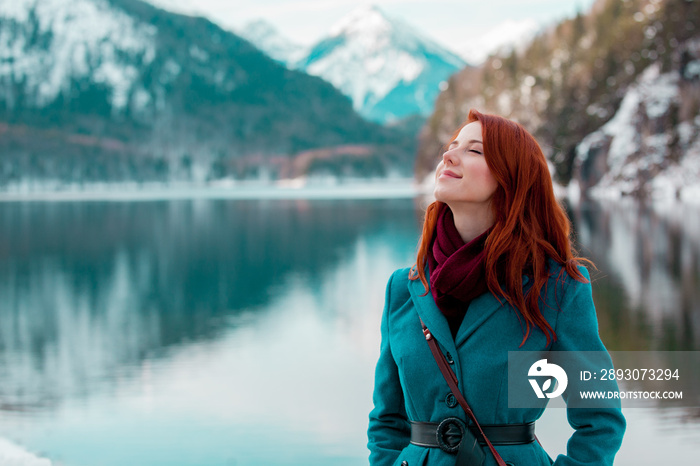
<point x="495" y="273"/>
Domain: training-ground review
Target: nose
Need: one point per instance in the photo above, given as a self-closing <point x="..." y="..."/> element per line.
<point x="449" y="157"/>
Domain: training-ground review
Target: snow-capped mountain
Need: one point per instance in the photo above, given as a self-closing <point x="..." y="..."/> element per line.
<point x="268" y="39"/>
<point x="105" y="90"/>
<point x="56" y="43"/>
<point x="386" y="68"/>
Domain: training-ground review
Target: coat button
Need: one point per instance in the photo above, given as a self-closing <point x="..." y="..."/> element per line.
<point x="451" y="400"/>
<point x="404" y="463"/>
<point x="448" y="356"/>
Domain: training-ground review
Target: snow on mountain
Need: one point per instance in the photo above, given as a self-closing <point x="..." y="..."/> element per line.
<point x="637" y="152"/>
<point x="266" y="37"/>
<point x="54" y="42"/>
<point x="119" y="91"/>
<point x="386" y="68"/>
<point x="503" y="37"/>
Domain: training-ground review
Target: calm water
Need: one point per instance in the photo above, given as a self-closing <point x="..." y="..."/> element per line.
<point x="244" y="332"/>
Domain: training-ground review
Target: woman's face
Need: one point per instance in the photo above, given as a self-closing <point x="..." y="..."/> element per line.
<point x="462" y="176"/>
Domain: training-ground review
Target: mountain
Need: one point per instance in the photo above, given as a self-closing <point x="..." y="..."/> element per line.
<point x="388" y="70"/>
<point x="118" y="90"/>
<point x="268" y="39"/>
<point x="613" y="97"/>
<point x="651" y="146"/>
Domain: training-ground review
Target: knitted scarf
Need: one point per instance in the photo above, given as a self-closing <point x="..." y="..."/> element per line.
<point x="457" y="272"/>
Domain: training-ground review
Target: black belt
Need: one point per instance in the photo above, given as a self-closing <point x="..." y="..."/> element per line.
<point x="447" y="434"/>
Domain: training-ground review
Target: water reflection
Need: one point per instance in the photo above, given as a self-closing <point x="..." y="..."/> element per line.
<point x="648" y="288"/>
<point x="193" y="331"/>
<point x="93" y="287"/>
<point x="298" y="370"/>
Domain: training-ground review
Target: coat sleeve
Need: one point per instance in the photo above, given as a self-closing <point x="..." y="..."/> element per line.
<point x="597" y="432"/>
<point x="389" y="430"/>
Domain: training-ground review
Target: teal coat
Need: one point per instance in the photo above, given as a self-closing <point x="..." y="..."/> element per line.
<point x="410" y="387"/>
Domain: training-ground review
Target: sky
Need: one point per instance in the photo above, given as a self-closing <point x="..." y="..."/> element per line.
<point x="458" y="25"/>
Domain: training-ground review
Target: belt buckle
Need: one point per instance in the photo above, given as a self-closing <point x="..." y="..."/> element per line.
<point x="450" y="433"/>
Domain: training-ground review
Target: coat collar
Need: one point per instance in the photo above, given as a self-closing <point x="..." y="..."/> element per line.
<point x="480" y="310"/>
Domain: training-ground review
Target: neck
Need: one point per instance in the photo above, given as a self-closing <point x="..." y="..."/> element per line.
<point x="471" y="221"/>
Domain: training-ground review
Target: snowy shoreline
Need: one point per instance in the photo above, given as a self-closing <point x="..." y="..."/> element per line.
<point x="392" y="188"/>
<point x="370" y="189"/>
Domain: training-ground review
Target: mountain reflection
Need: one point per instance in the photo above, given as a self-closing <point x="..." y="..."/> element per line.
<point x="91" y="288"/>
<point x="647" y="289"/>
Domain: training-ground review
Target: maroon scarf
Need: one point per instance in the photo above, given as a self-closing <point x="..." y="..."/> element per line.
<point x="457" y="272"/>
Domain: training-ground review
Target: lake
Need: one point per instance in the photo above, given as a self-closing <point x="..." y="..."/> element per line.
<point x="245" y="331"/>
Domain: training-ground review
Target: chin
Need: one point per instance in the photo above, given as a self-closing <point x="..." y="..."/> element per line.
<point x="440" y="195"/>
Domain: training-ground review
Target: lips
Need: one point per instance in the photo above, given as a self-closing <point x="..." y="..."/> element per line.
<point x="449" y="174"/>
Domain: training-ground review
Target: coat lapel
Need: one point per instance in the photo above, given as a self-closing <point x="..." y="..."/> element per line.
<point x="480" y="309"/>
<point x="431" y="315"/>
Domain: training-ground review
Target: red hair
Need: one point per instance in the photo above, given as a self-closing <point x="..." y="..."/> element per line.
<point x="529" y="223"/>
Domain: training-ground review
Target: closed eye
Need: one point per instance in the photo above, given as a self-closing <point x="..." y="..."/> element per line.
<point x="475" y="151"/>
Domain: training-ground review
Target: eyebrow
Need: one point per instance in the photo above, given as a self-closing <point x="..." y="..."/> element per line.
<point x="471" y="141"/>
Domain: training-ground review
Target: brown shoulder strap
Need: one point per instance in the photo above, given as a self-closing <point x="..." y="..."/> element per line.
<point x="452" y="381"/>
